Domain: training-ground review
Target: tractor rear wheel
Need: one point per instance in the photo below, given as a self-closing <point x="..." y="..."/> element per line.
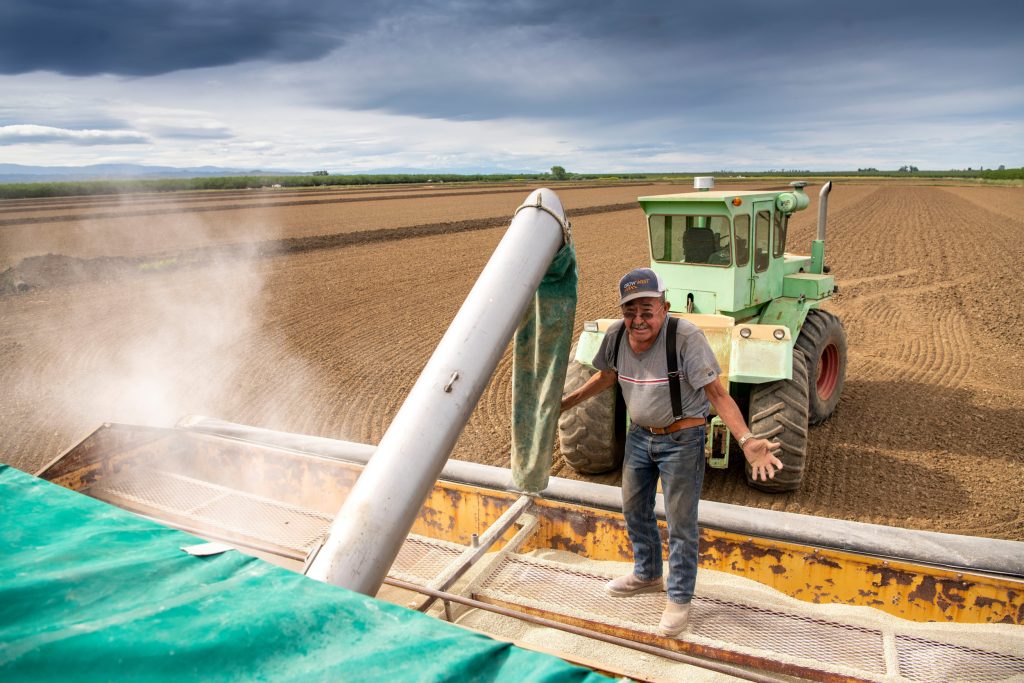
<point x="592" y="434"/>
<point x="778" y="412"/>
<point x="823" y="341"/>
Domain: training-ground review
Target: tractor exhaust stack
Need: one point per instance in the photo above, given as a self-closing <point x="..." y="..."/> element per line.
<point x="823" y="209"/>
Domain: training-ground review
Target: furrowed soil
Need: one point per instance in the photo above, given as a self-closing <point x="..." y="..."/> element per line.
<point x="314" y="312"/>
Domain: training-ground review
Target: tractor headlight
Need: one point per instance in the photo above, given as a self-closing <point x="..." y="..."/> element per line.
<point x="745" y="332"/>
<point x="590" y="326"/>
<point x="779" y="334"/>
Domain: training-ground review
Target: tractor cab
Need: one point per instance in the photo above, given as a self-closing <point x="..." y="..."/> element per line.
<point x="722" y="257"/>
<point x="724" y="251"/>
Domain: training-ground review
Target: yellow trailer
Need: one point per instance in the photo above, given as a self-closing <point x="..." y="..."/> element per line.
<point x="956" y="603"/>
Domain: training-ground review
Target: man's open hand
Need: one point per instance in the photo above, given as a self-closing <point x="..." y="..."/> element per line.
<point x="760" y="453"/>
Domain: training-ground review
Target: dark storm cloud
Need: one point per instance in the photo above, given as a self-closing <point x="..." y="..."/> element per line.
<point x="147" y="37"/>
<point x="774" y="26"/>
<point x="656" y="78"/>
<point x="649" y="59"/>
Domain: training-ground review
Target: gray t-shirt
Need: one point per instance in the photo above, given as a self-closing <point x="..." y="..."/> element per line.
<point x="644" y="377"/>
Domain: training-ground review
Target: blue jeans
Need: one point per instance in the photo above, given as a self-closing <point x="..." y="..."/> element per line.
<point x="678" y="458"/>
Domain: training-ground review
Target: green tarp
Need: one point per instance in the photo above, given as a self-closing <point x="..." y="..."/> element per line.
<point x="540" y="357"/>
<point x="89" y="592"/>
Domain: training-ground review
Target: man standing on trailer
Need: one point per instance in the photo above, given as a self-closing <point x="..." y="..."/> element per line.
<point x="666" y="435"/>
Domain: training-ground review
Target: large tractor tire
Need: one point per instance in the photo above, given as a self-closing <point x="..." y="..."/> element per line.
<point x="823" y="341"/>
<point x="778" y="412"/>
<point x="592" y="434"/>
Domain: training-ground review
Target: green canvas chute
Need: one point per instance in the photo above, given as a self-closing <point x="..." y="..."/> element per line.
<point x="540" y="358"/>
<point x="89" y="592"/>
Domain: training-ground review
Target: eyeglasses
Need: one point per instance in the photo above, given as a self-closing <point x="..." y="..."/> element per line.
<point x="645" y="315"/>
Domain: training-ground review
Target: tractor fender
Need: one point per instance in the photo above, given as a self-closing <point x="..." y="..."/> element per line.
<point x="760" y="353"/>
<point x="789" y="312"/>
<point x="747" y="352"/>
<point x="590" y="341"/>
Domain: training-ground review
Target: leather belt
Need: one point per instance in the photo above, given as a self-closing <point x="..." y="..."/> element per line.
<point x="685" y="423"/>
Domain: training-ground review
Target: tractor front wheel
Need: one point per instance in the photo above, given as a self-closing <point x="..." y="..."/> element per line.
<point x="823" y="341"/>
<point x="592" y="434"/>
<point x="778" y="412"/>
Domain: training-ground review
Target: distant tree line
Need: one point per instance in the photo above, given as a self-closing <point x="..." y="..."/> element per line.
<point x="1001" y="173"/>
<point x="323" y="179"/>
<point x="317" y="179"/>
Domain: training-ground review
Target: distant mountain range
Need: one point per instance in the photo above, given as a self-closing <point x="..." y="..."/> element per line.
<point x="16" y="173"/>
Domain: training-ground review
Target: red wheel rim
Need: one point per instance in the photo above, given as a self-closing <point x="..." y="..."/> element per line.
<point x="828" y="372"/>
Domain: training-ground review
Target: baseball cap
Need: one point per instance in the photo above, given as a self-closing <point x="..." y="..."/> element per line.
<point x="639" y="282"/>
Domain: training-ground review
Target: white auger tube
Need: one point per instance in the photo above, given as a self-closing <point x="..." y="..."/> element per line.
<point x="371" y="526"/>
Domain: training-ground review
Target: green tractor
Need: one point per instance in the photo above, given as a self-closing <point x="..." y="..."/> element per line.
<point x="722" y="256"/>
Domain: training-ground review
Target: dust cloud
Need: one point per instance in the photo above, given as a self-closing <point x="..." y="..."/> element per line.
<point x="178" y="336"/>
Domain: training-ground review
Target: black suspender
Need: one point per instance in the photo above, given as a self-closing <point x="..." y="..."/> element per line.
<point x="671" y="358"/>
<point x="618" y="343"/>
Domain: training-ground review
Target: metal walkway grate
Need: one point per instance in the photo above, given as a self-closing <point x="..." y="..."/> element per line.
<point x="921" y="659"/>
<point x="770" y="634"/>
<point x="422" y="559"/>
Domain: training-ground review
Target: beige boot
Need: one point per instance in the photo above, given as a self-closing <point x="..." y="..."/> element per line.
<point x="624" y="586"/>
<point x="674" y="618"/>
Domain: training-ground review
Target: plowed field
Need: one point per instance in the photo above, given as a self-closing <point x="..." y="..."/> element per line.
<point x="314" y="312"/>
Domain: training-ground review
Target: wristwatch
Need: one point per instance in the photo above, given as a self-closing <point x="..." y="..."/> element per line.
<point x="745" y="438"/>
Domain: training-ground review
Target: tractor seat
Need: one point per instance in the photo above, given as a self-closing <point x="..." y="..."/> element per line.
<point x="699" y="244"/>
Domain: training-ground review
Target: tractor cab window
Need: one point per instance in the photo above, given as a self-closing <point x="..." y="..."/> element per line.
<point x="702" y="240"/>
<point x="741" y="225"/>
<point x="779" y="221"/>
<point x="762" y="226"/>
